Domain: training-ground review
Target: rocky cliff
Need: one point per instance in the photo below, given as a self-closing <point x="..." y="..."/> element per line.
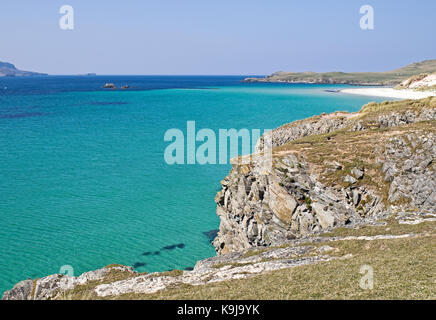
<point x="330" y="172"/>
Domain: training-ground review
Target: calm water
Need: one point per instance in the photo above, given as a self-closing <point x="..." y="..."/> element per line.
<point x="83" y="181"/>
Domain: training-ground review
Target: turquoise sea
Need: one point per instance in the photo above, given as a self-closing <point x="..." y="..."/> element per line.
<point x="83" y="181"/>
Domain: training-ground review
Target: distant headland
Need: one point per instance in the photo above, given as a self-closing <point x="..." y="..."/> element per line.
<point x="388" y="78"/>
<point x="9" y="70"/>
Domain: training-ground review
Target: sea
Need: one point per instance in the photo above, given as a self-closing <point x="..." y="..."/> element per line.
<point x="83" y="178"/>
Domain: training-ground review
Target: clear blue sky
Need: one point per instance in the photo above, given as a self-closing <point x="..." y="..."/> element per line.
<point x="215" y="37"/>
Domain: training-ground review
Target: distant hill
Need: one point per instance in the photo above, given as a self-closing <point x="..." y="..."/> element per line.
<point x="9" y="70"/>
<point x="392" y="78"/>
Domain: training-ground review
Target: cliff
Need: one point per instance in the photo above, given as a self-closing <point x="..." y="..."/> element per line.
<point x="390" y="78"/>
<point x="332" y="170"/>
<point x="345" y="189"/>
<point x="9" y="70"/>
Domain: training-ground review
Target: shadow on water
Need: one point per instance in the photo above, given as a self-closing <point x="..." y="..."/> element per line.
<point x="138" y="265"/>
<point x="174" y="246"/>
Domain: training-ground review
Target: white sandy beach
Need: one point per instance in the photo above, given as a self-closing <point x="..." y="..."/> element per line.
<point x="390" y="93"/>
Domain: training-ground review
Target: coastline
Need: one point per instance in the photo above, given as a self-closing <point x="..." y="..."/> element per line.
<point x="390" y="93"/>
<point x="265" y="253"/>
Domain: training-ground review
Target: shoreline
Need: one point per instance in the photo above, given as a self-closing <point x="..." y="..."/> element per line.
<point x="390" y="93"/>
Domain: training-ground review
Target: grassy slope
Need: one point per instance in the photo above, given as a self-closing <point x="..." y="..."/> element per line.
<point x="388" y="78"/>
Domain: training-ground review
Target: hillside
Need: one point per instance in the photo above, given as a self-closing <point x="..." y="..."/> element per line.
<point x="390" y="78"/>
<point x="9" y="70"/>
<point x="345" y="190"/>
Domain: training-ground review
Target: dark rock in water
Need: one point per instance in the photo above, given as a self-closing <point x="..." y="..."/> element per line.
<point x="138" y="264"/>
<point x="211" y="234"/>
<point x="171" y="247"/>
<point x="147" y="253"/>
<point x="156" y="253"/>
<point x="180" y="245"/>
<point x="109" y="86"/>
<point x="189" y="268"/>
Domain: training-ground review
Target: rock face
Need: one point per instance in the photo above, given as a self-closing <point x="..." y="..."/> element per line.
<point x="269" y="210"/>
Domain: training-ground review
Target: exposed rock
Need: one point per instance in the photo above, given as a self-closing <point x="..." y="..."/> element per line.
<point x="292" y="201"/>
<point x="358" y="174"/>
<point x="109" y="86"/>
<point x="52" y="286"/>
<point x="350" y="179"/>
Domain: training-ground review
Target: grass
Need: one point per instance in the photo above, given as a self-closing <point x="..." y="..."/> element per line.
<point x="403" y="269"/>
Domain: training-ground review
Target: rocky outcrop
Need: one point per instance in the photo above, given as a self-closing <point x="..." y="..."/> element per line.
<point x="53" y="286"/>
<point x="269" y="210"/>
<point x="419" y="82"/>
<point x="294" y="200"/>
<point x="327" y="123"/>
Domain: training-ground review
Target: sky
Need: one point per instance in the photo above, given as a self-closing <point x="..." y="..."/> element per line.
<point x="222" y="37"/>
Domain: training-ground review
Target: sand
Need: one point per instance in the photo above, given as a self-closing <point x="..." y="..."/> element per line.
<point x="390" y="93"/>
